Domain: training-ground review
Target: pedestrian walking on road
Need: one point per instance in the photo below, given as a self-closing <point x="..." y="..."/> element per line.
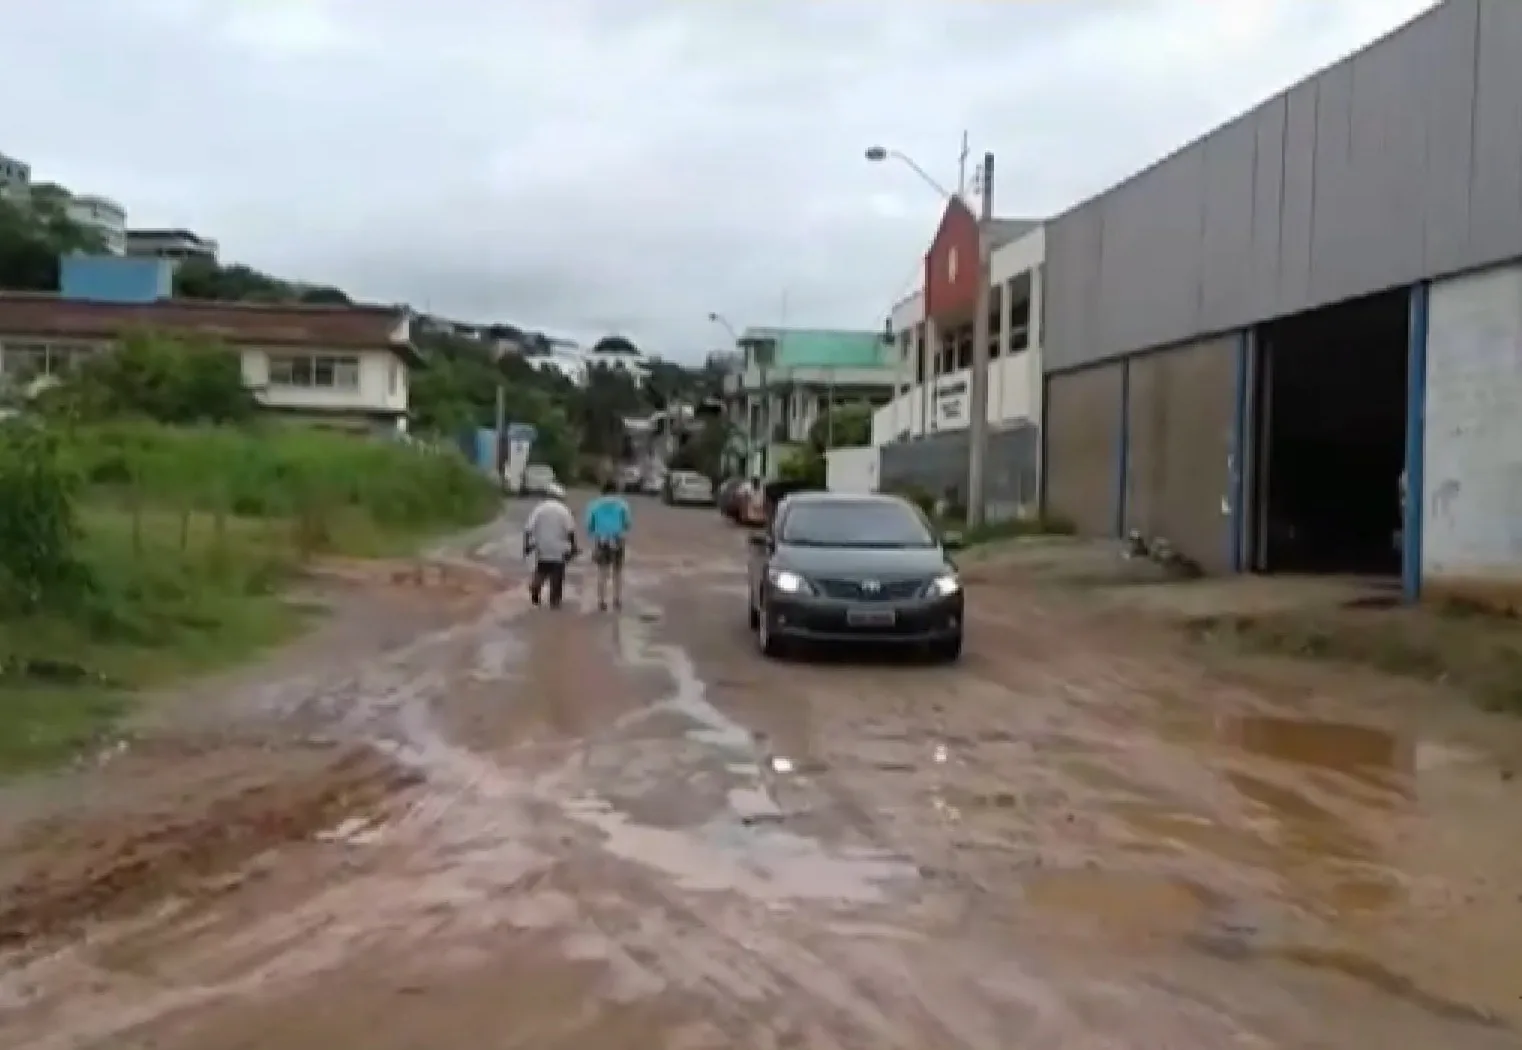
<point x="549" y="537"/>
<point x="608" y="522"/>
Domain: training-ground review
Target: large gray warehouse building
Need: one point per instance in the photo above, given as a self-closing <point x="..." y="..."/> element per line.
<point x="1255" y="347"/>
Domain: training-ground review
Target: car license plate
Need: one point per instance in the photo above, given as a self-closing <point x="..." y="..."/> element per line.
<point x="869" y="617"/>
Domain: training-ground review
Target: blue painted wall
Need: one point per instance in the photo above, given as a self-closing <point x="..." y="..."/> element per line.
<point x="115" y="279"/>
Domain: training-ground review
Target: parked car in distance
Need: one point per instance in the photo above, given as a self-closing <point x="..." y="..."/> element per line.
<point x="538" y="479"/>
<point x="686" y="488"/>
<point x="727" y="498"/>
<point x="630" y="477"/>
<point x="830" y="567"/>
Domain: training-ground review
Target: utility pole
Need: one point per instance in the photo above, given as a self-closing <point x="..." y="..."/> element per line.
<point x="962" y="166"/>
<point x="501" y="425"/>
<point x="977" y="429"/>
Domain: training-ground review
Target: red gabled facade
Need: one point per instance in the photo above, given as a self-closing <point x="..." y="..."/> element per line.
<point x="951" y="265"/>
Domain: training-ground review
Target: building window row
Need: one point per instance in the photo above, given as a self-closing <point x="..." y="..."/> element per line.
<point x="22" y="362"/>
<point x="315" y="371"/>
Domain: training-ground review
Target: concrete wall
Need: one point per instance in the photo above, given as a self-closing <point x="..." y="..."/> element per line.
<point x="1180" y="434"/>
<point x="939" y="462"/>
<point x="851" y="469"/>
<point x="1472" y="447"/>
<point x="1085" y="413"/>
<point x="1401" y="162"/>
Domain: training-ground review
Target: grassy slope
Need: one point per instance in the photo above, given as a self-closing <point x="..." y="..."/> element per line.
<point x="176" y="593"/>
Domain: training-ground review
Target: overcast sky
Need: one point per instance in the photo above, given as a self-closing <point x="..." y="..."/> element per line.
<point x="594" y="166"/>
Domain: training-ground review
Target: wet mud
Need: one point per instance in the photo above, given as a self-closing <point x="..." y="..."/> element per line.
<point x="532" y="828"/>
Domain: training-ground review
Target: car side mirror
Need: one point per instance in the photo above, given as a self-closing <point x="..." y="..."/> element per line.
<point x="953" y="541"/>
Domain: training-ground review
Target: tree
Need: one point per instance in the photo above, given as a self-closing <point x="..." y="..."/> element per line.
<point x="705" y="448"/>
<point x="32" y="238"/>
<point x="614" y="344"/>
<point x="843" y="426"/>
<point x="167" y="378"/>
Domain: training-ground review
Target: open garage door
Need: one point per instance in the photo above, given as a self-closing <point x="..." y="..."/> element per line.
<point x="1083" y="421"/>
<point x="1180" y="417"/>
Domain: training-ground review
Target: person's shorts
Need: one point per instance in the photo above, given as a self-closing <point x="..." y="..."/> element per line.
<point x="609" y="553"/>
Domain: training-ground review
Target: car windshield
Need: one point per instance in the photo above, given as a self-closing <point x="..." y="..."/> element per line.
<point x="856" y="523"/>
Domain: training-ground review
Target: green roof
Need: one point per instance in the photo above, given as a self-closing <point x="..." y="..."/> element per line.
<point x="825" y="347"/>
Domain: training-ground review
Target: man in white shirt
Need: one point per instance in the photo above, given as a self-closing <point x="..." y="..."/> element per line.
<point x="549" y="536"/>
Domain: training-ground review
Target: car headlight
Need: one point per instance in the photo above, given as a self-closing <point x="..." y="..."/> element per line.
<point x="789" y="582"/>
<point x="944" y="586"/>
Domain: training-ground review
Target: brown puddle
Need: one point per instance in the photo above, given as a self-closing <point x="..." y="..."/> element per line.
<point x="1343" y="747"/>
<point x="1128" y="906"/>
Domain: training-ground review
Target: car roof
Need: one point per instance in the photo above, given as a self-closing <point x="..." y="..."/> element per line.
<point x="816" y="496"/>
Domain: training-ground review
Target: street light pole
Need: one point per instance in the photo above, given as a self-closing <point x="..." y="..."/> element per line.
<point x="878" y="154"/>
<point x="977" y="429"/>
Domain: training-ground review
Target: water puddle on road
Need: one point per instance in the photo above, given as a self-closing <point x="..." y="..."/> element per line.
<point x="1360" y="751"/>
<point x="762" y="861"/>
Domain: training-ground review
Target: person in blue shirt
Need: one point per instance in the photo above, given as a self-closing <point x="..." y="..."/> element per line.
<point x="607" y="525"/>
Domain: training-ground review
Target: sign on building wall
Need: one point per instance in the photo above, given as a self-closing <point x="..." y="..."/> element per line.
<point x="951" y="403"/>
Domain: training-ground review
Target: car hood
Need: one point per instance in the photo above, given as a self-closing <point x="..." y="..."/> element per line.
<point x="854" y="563"/>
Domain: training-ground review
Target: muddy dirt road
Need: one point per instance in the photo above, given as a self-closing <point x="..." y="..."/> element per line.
<point x="447" y="820"/>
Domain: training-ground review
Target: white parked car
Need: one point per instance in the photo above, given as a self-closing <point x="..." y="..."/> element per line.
<point x="630" y="477"/>
<point x="689" y="488"/>
<point x="538" y="479"/>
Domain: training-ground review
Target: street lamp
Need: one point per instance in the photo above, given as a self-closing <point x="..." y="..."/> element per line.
<point x="977" y="429"/>
<point x="723" y="323"/>
<point x="881" y="154"/>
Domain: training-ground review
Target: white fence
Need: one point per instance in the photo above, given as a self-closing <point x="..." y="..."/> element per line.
<point x="852" y="469"/>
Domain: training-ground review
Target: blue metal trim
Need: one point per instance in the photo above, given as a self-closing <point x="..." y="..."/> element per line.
<point x="1123" y="447"/>
<point x="1416" y="428"/>
<point x="1237" y="469"/>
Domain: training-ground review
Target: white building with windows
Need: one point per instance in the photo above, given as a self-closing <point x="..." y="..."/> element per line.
<point x="175" y="245"/>
<point x="344" y="366"/>
<point x="104" y="216"/>
<point x="15" y="177"/>
<point x="934" y="374"/>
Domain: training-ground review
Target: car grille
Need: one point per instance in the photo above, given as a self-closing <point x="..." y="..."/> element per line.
<point x="888" y="590"/>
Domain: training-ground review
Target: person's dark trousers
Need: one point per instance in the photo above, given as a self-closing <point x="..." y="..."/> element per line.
<point x="553" y="573"/>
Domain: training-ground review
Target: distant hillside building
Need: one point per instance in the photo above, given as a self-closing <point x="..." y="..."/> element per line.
<point x="15" y="177"/>
<point x="104" y="216"/>
<point x="175" y="245"/>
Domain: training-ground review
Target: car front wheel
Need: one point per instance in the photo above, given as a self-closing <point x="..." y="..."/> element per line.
<point x="767" y="641"/>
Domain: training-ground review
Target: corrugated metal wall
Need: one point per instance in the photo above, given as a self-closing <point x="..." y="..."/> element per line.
<point x="1397" y="164"/>
<point x="1083" y="421"/>
<point x="939" y="462"/>
<point x="1180" y="418"/>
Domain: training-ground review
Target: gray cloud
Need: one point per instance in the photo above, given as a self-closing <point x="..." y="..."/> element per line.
<point x="597" y="165"/>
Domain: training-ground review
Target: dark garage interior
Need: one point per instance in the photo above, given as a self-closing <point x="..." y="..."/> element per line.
<point x="1331" y="404"/>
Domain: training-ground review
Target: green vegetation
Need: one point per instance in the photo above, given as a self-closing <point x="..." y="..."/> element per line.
<point x="34" y="234"/>
<point x="844" y="426"/>
<point x="133" y="550"/>
<point x="1475" y="652"/>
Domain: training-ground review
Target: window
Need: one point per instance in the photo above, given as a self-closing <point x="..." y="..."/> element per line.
<point x="322" y="371"/>
<point x="885" y="523"/>
<point x="23" y="362"/>
<point x="396" y="376"/>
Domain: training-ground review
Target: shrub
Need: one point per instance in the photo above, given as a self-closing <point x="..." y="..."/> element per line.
<point x="37" y="524"/>
<point x="311" y="477"/>
<point x="170" y="379"/>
